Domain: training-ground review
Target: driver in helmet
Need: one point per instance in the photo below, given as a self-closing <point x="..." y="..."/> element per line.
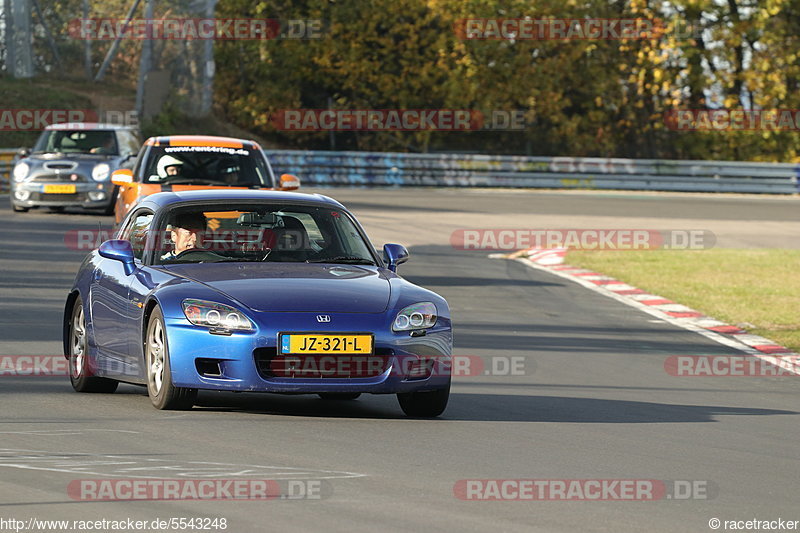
<point x="169" y="166"/>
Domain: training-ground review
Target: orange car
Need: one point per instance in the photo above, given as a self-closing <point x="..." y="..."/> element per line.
<point x="190" y="162"/>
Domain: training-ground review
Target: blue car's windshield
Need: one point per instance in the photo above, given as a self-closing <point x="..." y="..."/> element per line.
<point x="262" y="232"/>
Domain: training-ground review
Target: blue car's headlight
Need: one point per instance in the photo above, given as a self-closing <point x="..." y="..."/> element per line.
<point x="417" y="316"/>
<point x="215" y="315"/>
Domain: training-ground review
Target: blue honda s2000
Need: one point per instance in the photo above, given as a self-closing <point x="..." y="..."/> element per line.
<point x="254" y="291"/>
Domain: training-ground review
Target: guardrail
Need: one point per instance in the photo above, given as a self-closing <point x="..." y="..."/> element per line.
<point x="468" y="170"/>
<point x="7" y="157"/>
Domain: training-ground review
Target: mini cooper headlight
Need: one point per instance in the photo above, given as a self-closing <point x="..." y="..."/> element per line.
<point x="215" y="315"/>
<point x="21" y="171"/>
<point x="417" y="316"/>
<point x="100" y="172"/>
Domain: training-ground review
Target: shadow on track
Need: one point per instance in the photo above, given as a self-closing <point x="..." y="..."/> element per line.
<point x="488" y="408"/>
<point x="463" y="407"/>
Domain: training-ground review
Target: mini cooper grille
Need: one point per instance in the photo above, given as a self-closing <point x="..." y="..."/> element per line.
<point x="60" y="165"/>
<point x="58" y="178"/>
<point x="58" y="197"/>
<point x="270" y="365"/>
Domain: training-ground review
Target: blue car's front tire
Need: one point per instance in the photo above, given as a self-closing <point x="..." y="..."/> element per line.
<point x="427" y="404"/>
<point x="163" y="393"/>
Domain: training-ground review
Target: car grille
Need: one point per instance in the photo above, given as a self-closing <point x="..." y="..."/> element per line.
<point x="57" y="197"/>
<point x="271" y="365"/>
<point x="60" y="165"/>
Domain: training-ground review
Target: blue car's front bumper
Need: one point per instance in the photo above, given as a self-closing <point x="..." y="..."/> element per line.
<point x="241" y="361"/>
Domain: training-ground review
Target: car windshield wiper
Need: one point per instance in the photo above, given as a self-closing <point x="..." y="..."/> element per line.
<point x="344" y="259"/>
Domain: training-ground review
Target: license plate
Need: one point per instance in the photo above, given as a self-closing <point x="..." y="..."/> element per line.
<point x="324" y="343"/>
<point x="59" y="189"/>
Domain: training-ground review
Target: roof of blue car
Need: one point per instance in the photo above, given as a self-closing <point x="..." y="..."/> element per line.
<point x="162" y="199"/>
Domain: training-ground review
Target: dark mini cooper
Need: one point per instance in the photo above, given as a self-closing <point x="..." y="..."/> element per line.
<point x="71" y="166"/>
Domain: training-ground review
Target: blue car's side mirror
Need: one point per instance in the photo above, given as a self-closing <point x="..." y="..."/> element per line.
<point x="119" y="250"/>
<point x="395" y="254"/>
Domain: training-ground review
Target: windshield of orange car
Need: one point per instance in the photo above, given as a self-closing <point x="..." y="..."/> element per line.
<point x="206" y="165"/>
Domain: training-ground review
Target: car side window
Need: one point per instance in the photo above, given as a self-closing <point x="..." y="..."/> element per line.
<point x="128" y="142"/>
<point x="136" y="232"/>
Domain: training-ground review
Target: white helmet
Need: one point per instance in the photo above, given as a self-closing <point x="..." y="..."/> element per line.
<point x="167" y="161"/>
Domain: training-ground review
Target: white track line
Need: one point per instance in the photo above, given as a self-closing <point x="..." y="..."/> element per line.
<point x="651" y="310"/>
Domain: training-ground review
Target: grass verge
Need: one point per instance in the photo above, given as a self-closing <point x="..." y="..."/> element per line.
<point x="758" y="290"/>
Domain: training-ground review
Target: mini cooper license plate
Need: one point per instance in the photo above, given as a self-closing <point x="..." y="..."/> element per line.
<point x="325" y="343"/>
<point x="59" y="189"/>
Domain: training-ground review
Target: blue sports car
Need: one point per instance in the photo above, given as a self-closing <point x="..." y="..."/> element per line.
<point x="237" y="290"/>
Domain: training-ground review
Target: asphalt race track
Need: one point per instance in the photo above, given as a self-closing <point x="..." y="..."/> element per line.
<point x="592" y="400"/>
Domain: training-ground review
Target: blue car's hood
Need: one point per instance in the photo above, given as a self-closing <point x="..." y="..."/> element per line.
<point x="294" y="287"/>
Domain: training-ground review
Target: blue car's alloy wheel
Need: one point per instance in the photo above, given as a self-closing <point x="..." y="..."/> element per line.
<point x="78" y="342"/>
<point x="162" y="392"/>
<point x="79" y="369"/>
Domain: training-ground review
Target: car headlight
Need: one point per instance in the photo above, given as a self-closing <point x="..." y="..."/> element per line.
<point x="215" y="315"/>
<point x="21" y="171"/>
<point x="417" y="316"/>
<point x="100" y="172"/>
